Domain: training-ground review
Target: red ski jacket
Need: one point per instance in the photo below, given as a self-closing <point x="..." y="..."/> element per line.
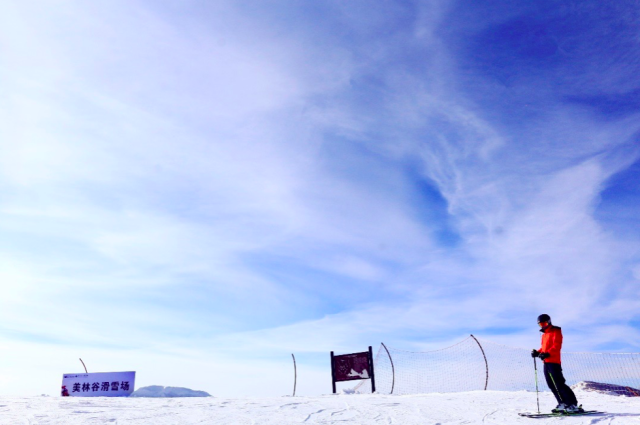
<point x="551" y="343"/>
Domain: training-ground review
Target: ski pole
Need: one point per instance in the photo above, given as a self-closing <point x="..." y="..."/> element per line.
<point x="535" y="368"/>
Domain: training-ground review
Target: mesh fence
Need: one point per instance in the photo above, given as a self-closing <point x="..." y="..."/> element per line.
<point x="477" y="364"/>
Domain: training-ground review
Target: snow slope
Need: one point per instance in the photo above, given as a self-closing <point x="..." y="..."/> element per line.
<point x="478" y="407"/>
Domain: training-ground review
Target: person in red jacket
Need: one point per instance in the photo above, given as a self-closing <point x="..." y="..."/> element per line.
<point x="549" y="353"/>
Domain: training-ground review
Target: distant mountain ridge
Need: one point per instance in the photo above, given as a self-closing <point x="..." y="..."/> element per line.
<point x="610" y="389"/>
<point x="160" y="391"/>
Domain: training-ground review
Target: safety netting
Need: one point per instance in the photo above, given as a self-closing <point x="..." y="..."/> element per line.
<point x="477" y="364"/>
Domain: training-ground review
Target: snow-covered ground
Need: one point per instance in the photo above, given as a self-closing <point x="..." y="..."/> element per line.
<point x="479" y="407"/>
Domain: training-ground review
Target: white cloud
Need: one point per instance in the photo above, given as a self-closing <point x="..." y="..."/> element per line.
<point x="156" y="158"/>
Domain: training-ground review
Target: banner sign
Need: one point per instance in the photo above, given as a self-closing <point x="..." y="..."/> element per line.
<point x="103" y="384"/>
<point x="350" y="367"/>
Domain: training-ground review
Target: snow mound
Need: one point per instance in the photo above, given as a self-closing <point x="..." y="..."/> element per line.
<point x="160" y="391"/>
<point x="609" y="389"/>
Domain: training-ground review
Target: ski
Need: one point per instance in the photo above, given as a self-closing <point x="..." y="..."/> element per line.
<point x="553" y="415"/>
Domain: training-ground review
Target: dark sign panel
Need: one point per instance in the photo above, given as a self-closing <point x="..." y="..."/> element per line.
<point x="350" y="367"/>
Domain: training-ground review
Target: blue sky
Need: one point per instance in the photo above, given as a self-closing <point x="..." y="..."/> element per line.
<point x="195" y="190"/>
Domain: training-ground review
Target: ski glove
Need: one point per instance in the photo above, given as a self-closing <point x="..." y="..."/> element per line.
<point x="535" y="353"/>
<point x="544" y="356"/>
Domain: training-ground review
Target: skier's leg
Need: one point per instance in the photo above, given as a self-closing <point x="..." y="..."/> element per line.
<point x="552" y="386"/>
<point x="568" y="394"/>
<point x="565" y="391"/>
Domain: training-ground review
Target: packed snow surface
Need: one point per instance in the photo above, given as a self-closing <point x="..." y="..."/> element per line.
<point x="478" y="407"/>
<point x="160" y="391"/>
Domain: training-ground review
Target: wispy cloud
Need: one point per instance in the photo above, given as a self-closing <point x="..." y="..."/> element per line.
<point x="251" y="180"/>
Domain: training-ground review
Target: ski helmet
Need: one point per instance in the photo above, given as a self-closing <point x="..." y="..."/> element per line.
<point x="544" y="318"/>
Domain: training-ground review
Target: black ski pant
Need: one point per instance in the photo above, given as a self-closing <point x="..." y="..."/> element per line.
<point x="557" y="385"/>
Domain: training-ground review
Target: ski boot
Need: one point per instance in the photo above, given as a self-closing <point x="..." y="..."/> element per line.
<point x="574" y="409"/>
<point x="560" y="408"/>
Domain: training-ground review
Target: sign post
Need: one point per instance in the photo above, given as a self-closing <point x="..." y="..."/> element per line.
<point x="373" y="378"/>
<point x="351" y="367"/>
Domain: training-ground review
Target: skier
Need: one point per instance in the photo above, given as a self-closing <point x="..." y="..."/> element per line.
<point x="549" y="353"/>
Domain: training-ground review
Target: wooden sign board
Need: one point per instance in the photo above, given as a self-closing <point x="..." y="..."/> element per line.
<point x="351" y="367"/>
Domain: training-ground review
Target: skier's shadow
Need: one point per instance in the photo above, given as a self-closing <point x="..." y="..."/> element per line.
<point x="609" y="415"/>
